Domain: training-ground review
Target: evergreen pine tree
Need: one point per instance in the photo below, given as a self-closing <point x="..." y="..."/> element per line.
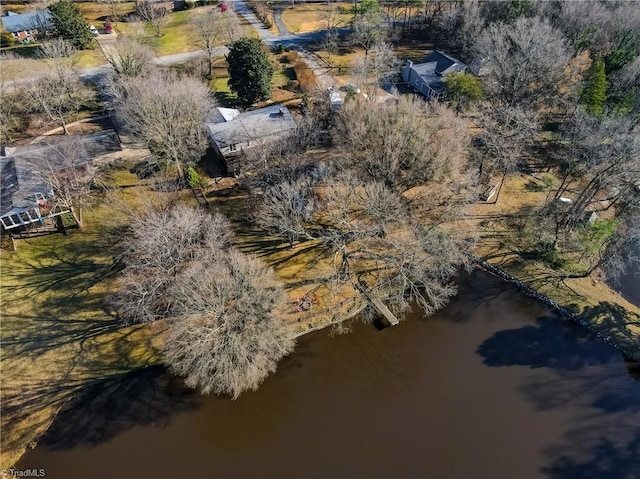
<point x="594" y="93"/>
<point x="250" y="71"/>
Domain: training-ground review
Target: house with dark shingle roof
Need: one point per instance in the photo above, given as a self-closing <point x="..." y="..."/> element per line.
<point x="427" y="77"/>
<point x="26" y="196"/>
<point x="232" y="132"/>
<point x="25" y="26"/>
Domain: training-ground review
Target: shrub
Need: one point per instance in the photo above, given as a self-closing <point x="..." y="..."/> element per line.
<point x="304" y="75"/>
<point x="194" y="179"/>
<point x="6" y="40"/>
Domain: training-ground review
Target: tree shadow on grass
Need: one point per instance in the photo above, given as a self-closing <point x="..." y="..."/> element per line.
<point x="616" y="323"/>
<point x="53" y="298"/>
<point x="226" y="99"/>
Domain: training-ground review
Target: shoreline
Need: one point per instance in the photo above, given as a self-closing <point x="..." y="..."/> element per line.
<point x="530" y="292"/>
<point x="479" y="264"/>
<point x="554" y="306"/>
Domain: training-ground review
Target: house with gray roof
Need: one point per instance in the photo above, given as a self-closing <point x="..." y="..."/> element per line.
<point x="427" y="77"/>
<point x="26" y="195"/>
<point x="25" y="26"/>
<point x="232" y="132"/>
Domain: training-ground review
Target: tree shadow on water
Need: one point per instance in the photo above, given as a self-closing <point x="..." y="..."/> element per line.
<point x="604" y="459"/>
<point x="575" y="367"/>
<point x="103" y="410"/>
<point x="551" y="343"/>
<point x="594" y="388"/>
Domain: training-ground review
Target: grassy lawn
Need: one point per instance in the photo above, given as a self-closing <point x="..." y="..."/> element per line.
<point x="412" y="46"/>
<point x="91" y="58"/>
<point x="27" y="59"/>
<point x="304" y="18"/>
<point x="97" y="13"/>
<point x="13" y="7"/>
<point x="57" y="336"/>
<point x="590" y="297"/>
<point x="177" y="34"/>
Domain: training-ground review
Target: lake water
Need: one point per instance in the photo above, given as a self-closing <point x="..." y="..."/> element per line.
<point x="494" y="386"/>
<point x="629" y="283"/>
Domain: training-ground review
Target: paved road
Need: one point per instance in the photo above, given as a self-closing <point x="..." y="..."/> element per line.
<point x="99" y="73"/>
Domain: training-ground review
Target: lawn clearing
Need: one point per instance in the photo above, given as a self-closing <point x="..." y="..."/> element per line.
<point x="590" y="297"/>
<point x="96" y="13"/>
<point x="412" y="45"/>
<point x="57" y="336"/>
<point x="311" y="17"/>
<point x="178" y="35"/>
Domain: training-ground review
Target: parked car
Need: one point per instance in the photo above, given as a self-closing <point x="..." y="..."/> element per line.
<point x="107" y="27"/>
<point x="94" y="30"/>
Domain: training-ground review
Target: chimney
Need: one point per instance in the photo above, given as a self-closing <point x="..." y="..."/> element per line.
<point x="406" y="71"/>
<point x="281" y="112"/>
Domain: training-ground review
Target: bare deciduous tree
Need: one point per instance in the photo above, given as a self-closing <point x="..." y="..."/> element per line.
<point x="226" y="336"/>
<point x="154" y="14"/>
<point x="402" y="143"/>
<point x="367" y="30"/>
<point x="215" y="28"/>
<point x="224" y="332"/>
<point x="167" y="111"/>
<point x="286" y="208"/>
<point x="71" y="180"/>
<point x="11" y="101"/>
<point x="162" y="242"/>
<point x="600" y="160"/>
<point x="360" y="217"/>
<point x="373" y="69"/>
<point x="366" y="232"/>
<point x="57" y="95"/>
<point x="528" y="59"/>
<point x="131" y="58"/>
<point x="58" y="52"/>
<point x="505" y="134"/>
<point x="113" y="9"/>
<point x="463" y="26"/>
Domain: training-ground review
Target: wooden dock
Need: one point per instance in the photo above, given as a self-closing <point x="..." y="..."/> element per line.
<point x="376" y="303"/>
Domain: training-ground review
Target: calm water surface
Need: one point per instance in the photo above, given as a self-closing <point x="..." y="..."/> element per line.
<point x="493" y="387"/>
<point x="629" y="283"/>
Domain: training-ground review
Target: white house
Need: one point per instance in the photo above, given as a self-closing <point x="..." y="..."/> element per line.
<point x="427" y="77"/>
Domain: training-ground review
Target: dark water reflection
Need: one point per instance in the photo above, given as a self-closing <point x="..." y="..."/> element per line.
<point x="493" y="387"/>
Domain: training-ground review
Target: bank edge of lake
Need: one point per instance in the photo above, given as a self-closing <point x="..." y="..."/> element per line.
<point x="612" y="327"/>
<point x="627" y="344"/>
